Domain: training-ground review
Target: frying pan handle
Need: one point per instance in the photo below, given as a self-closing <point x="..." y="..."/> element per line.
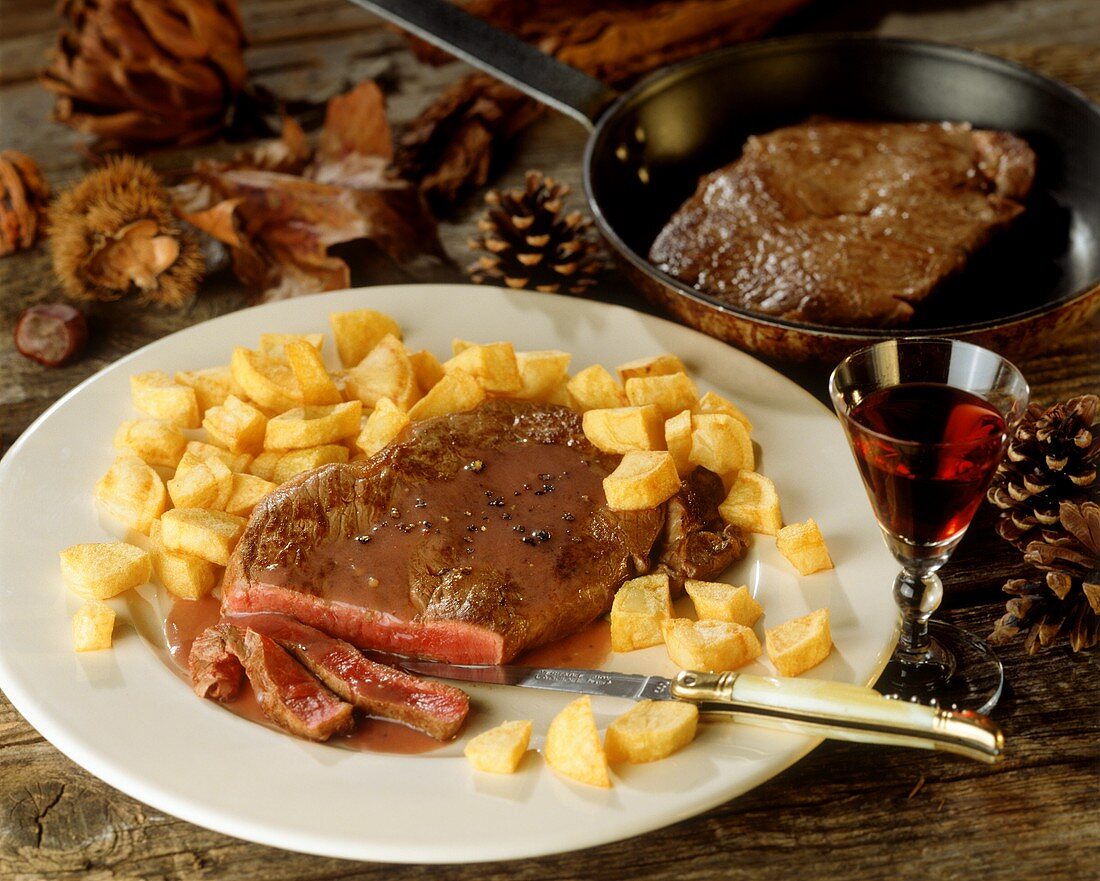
<point x="507" y="58"/>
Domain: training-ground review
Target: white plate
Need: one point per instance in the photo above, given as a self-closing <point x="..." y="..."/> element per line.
<point x="127" y="718"/>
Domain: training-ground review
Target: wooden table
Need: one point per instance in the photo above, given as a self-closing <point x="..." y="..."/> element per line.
<point x="851" y="812"/>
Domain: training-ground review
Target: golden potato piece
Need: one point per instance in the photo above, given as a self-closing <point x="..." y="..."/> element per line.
<point x="640" y="606"/>
<point x="210" y="535"/>
<point x="296" y="461"/>
<point x="156" y="394"/>
<point x="456" y="392"/>
<point x="152" y="441"/>
<point x="709" y="645"/>
<point x="753" y="504"/>
<point x="721" y="443"/>
<point x="678" y="441"/>
<point x="656" y="365"/>
<point x="642" y="480"/>
<point x="670" y="393"/>
<point x="197" y="486"/>
<point x="804" y="546"/>
<point x="93" y="627"/>
<point x="274" y="345"/>
<point x="713" y="403"/>
<point x="197" y="450"/>
<point x="313" y="426"/>
<point x="263" y="466"/>
<point x="427" y="368"/>
<point x="799" y="644"/>
<point x="623" y="429"/>
<point x="716" y="601"/>
<point x="572" y="747"/>
<point x="382" y="427"/>
<point x="541" y="373"/>
<point x="237" y="426"/>
<point x="386" y="372"/>
<point x="268" y="382"/>
<point x="359" y="331"/>
<point x="493" y="365"/>
<point x="132" y="492"/>
<point x="182" y="575"/>
<point x="101" y="570"/>
<point x="313" y="377"/>
<point x="651" y="730"/>
<point x="212" y="385"/>
<point x="500" y="750"/>
<point x="594" y="388"/>
<point x="248" y="489"/>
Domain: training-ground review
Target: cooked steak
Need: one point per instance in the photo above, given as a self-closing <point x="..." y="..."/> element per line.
<point x="216" y="672"/>
<point x="433" y="707"/>
<point x="846" y="223"/>
<point x="479" y="535"/>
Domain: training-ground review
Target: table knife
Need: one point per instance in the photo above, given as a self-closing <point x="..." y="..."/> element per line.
<point x="836" y="710"/>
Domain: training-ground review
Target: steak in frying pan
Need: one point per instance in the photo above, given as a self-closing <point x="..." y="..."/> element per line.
<point x="479" y="535"/>
<point x="846" y="223"/>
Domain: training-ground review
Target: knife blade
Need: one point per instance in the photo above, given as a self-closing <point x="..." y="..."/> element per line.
<point x="838" y="710"/>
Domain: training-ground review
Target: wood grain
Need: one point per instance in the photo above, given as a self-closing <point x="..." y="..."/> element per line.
<point x="846" y="811"/>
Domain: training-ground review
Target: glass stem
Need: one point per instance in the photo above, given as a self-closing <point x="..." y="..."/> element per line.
<point x="918" y="595"/>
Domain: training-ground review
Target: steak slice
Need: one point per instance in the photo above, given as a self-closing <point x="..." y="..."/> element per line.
<point x="480" y="535"/>
<point x="216" y="672"/>
<point x="429" y="706"/>
<point x="846" y="223"/>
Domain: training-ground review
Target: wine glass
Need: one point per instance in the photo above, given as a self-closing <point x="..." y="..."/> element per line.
<point x="928" y="421"/>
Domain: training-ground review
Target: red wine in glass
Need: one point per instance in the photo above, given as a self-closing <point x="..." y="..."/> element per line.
<point x="926" y="451"/>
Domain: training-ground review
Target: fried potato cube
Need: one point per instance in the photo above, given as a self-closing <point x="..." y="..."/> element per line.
<point x="804" y="546"/>
<point x="386" y="372"/>
<point x="678" y="441"/>
<point x="709" y="645"/>
<point x="152" y="441"/>
<point x="594" y="388"/>
<point x="670" y="393"/>
<point x="427" y="368"/>
<point x="720" y="443"/>
<point x="93" y="627"/>
<point x="263" y="465"/>
<point x="651" y="730"/>
<point x="212" y="385"/>
<point x="640" y="606"/>
<point x="196" y="487"/>
<point x="572" y="747"/>
<point x="199" y="451"/>
<point x="247" y="491"/>
<point x="799" y="644"/>
<point x="560" y="395"/>
<point x="210" y="535"/>
<point x="274" y="345"/>
<point x="101" y="570"/>
<point x="132" y="492"/>
<point x="454" y="393"/>
<point x="753" y="504"/>
<point x="713" y="403"/>
<point x="237" y="426"/>
<point x="296" y="461"/>
<point x="384" y="424"/>
<point x="500" y="750"/>
<point x="156" y="394"/>
<point x="655" y="365"/>
<point x="313" y="377"/>
<point x="642" y="480"/>
<point x="623" y="429"/>
<point x="357" y="332"/>
<point x="183" y="575"/>
<point x="493" y="365"/>
<point x="541" y="373"/>
<point x="313" y="426"/>
<point x="268" y="382"/>
<point x="715" y="601"/>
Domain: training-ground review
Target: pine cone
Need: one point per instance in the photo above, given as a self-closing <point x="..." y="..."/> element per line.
<point x="23" y="195"/>
<point x="142" y="72"/>
<point x="531" y="244"/>
<point x="1051" y="458"/>
<point x="1068" y="600"/>
<point x="114" y="232"/>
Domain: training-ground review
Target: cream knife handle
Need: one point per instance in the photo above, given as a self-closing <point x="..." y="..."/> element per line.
<point x="840" y="710"/>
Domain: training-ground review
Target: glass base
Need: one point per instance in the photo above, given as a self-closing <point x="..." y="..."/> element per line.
<point x="960" y="672"/>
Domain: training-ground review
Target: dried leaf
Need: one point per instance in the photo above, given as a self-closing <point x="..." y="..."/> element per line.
<point x="355" y="123"/>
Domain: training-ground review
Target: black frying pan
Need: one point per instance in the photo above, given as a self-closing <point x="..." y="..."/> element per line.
<point x="649" y="147"/>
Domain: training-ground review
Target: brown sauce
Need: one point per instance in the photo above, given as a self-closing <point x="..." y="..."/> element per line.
<point x="586" y="649"/>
